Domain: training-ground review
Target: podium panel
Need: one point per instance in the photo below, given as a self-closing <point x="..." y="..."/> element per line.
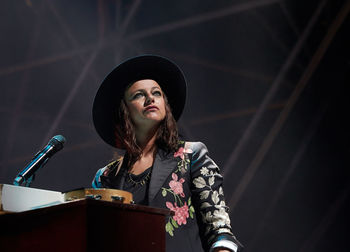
<point x="85" y="225"/>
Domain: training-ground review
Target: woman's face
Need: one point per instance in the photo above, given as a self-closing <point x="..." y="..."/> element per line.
<point x="145" y="101"/>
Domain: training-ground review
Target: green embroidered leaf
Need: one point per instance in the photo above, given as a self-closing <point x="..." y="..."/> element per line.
<point x="171" y="232"/>
<point x="174" y="223"/>
<point x="189" y="201"/>
<point x="167" y="227"/>
<point x="199" y="182"/>
<point x="191" y="215"/>
<point x="191" y="209"/>
<point x="164" y="192"/>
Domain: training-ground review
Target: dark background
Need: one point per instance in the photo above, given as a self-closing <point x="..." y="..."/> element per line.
<point x="268" y="93"/>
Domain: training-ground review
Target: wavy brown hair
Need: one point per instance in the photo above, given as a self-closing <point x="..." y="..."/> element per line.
<point x="167" y="134"/>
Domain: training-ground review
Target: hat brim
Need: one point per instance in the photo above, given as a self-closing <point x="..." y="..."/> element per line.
<point x="107" y="100"/>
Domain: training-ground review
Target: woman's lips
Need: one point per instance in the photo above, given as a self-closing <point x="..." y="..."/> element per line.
<point x="151" y="108"/>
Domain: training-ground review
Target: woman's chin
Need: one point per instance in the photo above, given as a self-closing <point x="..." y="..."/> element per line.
<point x="154" y="117"/>
<point x="149" y="122"/>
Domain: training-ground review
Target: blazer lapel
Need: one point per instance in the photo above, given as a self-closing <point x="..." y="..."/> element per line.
<point x="162" y="167"/>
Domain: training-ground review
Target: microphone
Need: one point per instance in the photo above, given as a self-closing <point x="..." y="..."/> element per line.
<point x="39" y="160"/>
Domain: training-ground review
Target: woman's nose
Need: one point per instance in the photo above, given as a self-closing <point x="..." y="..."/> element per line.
<point x="149" y="99"/>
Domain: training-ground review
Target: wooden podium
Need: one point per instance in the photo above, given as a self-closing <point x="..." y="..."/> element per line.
<point x="84" y="225"/>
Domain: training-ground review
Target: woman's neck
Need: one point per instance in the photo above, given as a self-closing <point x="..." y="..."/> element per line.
<point x="148" y="146"/>
<point x="146" y="140"/>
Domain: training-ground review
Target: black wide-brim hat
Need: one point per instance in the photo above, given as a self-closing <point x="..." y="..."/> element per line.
<point x="107" y="100"/>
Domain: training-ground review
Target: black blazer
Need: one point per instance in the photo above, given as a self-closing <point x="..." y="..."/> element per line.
<point x="187" y="182"/>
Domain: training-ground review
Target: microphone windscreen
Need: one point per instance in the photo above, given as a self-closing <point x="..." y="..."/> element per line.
<point x="57" y="142"/>
<point x="60" y="138"/>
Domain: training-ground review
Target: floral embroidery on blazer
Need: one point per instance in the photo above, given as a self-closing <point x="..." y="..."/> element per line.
<point x="182" y="210"/>
<point x="187" y="182"/>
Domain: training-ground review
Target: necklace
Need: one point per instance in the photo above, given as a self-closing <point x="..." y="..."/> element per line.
<point x="141" y="182"/>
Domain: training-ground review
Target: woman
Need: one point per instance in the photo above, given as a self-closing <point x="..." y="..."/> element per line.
<point x="136" y="109"/>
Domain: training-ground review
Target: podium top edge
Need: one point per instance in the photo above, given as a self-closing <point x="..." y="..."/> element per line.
<point x="90" y="203"/>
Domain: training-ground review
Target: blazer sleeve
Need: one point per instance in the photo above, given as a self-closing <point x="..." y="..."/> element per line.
<point x="209" y="202"/>
<point x="96" y="182"/>
<point x="104" y="172"/>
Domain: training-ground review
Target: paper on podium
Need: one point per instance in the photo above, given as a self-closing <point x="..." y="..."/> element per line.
<point x="19" y="198"/>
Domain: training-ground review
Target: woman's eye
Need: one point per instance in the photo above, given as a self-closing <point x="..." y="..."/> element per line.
<point x="157" y="93"/>
<point x="138" y="95"/>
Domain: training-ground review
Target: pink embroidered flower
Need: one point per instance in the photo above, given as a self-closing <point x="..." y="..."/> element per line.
<point x="181" y="213"/>
<point x="181" y="152"/>
<point x="176" y="186"/>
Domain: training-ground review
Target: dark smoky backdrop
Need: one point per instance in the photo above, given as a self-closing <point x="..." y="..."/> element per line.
<point x="268" y="93"/>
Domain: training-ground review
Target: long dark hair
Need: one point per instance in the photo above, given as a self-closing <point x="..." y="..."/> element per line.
<point x="167" y="135"/>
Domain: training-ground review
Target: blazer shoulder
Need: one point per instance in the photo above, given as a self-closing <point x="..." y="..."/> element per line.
<point x="196" y="146"/>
